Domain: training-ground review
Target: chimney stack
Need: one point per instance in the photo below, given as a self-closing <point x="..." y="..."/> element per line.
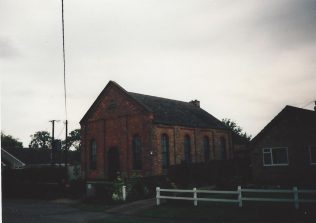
<point x="195" y="103"/>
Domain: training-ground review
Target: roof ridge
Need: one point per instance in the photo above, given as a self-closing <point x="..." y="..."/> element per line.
<point x="278" y="116"/>
<point x="297" y="108"/>
<point x="160" y="97"/>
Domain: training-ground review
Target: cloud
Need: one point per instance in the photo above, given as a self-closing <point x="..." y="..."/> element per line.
<point x="7" y="48"/>
<point x="243" y="59"/>
<point x="286" y="23"/>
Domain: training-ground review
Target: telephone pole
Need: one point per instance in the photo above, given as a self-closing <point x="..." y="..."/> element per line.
<point x="53" y="154"/>
<point x="66" y="144"/>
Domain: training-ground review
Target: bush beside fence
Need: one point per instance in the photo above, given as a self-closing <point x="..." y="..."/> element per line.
<point x="223" y="173"/>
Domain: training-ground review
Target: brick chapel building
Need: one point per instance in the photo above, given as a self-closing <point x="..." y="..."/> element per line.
<point x="139" y="134"/>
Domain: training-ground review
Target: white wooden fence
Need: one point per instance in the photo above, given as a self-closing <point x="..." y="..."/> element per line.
<point x="240" y="195"/>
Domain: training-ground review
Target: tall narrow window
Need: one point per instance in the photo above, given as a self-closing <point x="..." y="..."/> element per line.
<point x="187" y="149"/>
<point x="93" y="155"/>
<point x="206" y="147"/>
<point x="223" y="148"/>
<point x="137" y="153"/>
<point x="165" y="151"/>
<point x="312" y="154"/>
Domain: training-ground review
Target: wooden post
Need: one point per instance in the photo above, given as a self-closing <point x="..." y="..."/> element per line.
<point x="158" y="196"/>
<point x="296" y="201"/>
<point x="239" y="197"/>
<point x="124" y="193"/>
<point x="195" y="196"/>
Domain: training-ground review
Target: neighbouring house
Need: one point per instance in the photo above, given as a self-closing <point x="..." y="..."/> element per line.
<point x="10" y="161"/>
<point x="37" y="157"/>
<point x="284" y="152"/>
<point x="143" y="135"/>
<point x="23" y="163"/>
<point x="28" y="172"/>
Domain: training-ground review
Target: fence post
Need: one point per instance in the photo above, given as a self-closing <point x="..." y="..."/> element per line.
<point x="158" y="196"/>
<point x="124" y="192"/>
<point x="239" y="197"/>
<point x="295" y="192"/>
<point x="195" y="196"/>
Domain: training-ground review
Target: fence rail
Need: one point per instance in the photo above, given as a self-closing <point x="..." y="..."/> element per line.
<point x="241" y="195"/>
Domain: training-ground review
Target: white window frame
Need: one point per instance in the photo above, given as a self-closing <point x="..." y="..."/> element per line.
<point x="310" y="155"/>
<point x="270" y="151"/>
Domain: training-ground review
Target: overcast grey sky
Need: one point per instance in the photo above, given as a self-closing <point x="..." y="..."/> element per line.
<point x="243" y="60"/>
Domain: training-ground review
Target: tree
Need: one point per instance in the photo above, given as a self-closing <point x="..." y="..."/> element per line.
<point x="7" y="141"/>
<point x="236" y="128"/>
<point x="40" y="139"/>
<point x="73" y="140"/>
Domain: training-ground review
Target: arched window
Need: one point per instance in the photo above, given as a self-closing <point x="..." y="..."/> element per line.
<point x="137" y="153"/>
<point x="165" y="151"/>
<point x="93" y="155"/>
<point x="206" y="148"/>
<point x="187" y="149"/>
<point x="223" y="148"/>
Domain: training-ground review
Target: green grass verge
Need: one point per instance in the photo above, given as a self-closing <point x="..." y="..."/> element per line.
<point x="252" y="212"/>
<point x="223" y="213"/>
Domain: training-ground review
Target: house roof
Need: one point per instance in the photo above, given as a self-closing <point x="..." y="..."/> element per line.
<point x="173" y="112"/>
<point x="40" y="156"/>
<point x="167" y="111"/>
<point x="7" y="159"/>
<point x="302" y="121"/>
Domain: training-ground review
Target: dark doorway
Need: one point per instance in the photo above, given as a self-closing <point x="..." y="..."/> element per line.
<point x="113" y="163"/>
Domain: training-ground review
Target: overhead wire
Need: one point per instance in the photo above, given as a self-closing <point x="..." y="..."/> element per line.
<point x="64" y="56"/>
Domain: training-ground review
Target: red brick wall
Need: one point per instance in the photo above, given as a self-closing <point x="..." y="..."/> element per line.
<point x="117" y="118"/>
<point x="115" y="127"/>
<point x="176" y="135"/>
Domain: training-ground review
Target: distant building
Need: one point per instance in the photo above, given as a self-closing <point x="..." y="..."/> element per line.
<point x="10" y="161"/>
<point x="284" y="152"/>
<point x="139" y="134"/>
<point x="12" y="157"/>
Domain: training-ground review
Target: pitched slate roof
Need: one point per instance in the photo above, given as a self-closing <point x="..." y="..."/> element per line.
<point x="166" y="111"/>
<point x="302" y="121"/>
<point x="172" y="112"/>
<point x="31" y="156"/>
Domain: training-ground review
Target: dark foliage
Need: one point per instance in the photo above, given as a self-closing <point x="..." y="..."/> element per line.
<point x="40" y="140"/>
<point x="222" y="173"/>
<point x="45" y="182"/>
<point x="73" y="140"/>
<point x="145" y="187"/>
<point x="236" y="129"/>
<point x="7" y="141"/>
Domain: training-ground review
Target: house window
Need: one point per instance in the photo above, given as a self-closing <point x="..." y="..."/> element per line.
<point x="137" y="153"/>
<point x="93" y="155"/>
<point x="206" y="147"/>
<point x="223" y="148"/>
<point x="187" y="149"/>
<point x="165" y="151"/>
<point x="312" y="154"/>
<point x="275" y="156"/>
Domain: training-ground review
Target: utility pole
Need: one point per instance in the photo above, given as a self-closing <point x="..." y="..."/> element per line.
<point x="53" y="154"/>
<point x="66" y="144"/>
